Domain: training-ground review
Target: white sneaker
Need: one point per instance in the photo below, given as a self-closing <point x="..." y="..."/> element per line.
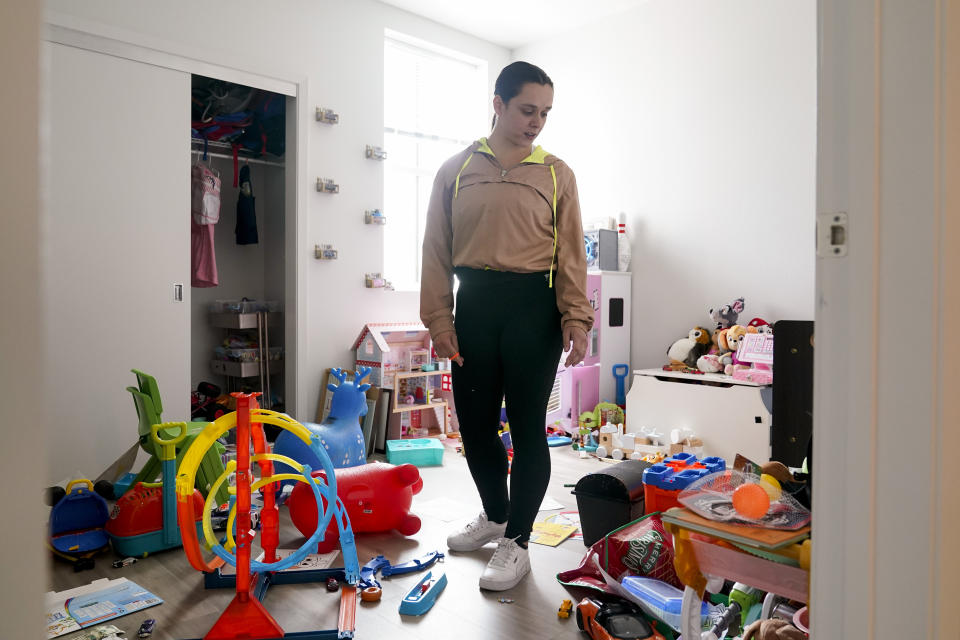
<point x="475" y="534"/>
<point x="510" y="562"/>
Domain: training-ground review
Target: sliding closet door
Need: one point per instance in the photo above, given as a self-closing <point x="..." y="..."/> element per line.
<point x="118" y="195"/>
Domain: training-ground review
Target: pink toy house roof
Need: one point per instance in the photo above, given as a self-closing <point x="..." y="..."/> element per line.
<point x="380" y="331"/>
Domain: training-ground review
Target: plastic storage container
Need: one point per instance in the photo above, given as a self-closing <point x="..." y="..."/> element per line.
<point x="659" y="599"/>
<point x="245" y="305"/>
<point x="610" y="499"/>
<point x="663" y="482"/>
<point x="420" y="452"/>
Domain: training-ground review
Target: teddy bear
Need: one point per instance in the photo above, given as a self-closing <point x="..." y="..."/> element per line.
<point x="727" y="315"/>
<point x="684" y="352"/>
<point x="772" y="629"/>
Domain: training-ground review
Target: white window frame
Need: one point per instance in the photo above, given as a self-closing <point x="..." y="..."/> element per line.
<point x="424" y="175"/>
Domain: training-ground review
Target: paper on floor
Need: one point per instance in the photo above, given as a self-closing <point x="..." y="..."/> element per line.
<point x="549" y="504"/>
<point x="445" y="509"/>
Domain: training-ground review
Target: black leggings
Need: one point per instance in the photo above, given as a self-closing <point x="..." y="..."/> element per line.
<point x="508" y="330"/>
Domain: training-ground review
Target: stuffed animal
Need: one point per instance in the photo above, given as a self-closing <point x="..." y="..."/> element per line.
<point x="723" y="350"/>
<point x="339" y="433"/>
<point x="772" y="629"/>
<point x="684" y="352"/>
<point x="759" y="325"/>
<point x="377" y="497"/>
<point x="732" y="337"/>
<point x="725" y="347"/>
<point x="727" y="315"/>
<point x="710" y="363"/>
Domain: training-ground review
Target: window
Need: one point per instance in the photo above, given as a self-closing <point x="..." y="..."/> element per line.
<point x="435" y="104"/>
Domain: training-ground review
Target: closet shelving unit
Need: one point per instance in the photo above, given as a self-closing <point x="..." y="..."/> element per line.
<point x="263" y="367"/>
<point x="247" y="274"/>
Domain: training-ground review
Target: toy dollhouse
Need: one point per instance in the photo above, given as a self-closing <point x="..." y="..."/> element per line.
<point x="391" y="347"/>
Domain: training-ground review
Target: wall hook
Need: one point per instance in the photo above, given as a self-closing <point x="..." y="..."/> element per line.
<point x="376" y="153"/>
<point x="327" y="116"/>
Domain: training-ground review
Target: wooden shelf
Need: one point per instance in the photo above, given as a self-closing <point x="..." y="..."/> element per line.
<point x="418" y="407"/>
<point x="417" y="374"/>
<point x="431" y="433"/>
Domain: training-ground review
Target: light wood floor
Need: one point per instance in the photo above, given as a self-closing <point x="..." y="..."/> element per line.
<point x="462" y="611"/>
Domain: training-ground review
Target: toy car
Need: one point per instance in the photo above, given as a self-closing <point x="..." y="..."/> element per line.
<point x="614" y="621"/>
<point x="146" y="629"/>
<point x="564" y="610"/>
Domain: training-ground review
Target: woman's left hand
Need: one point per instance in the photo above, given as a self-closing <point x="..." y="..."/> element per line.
<point x="574" y="341"/>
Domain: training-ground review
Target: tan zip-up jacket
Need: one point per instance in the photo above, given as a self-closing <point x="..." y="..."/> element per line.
<point x="523" y="220"/>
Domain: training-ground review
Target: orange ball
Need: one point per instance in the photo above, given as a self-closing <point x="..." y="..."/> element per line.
<point x="751" y="501"/>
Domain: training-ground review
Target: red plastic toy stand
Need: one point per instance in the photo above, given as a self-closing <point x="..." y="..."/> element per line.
<point x="245" y="618"/>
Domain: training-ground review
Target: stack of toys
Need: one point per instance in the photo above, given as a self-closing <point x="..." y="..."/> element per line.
<point x="743" y="352"/>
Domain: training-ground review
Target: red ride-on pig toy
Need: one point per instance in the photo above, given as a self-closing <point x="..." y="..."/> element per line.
<point x="377" y="497"/>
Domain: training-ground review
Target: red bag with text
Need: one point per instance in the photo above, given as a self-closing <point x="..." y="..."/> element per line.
<point x="640" y="548"/>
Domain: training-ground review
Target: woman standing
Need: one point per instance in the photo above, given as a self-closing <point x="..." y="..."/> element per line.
<point x="505" y="219"/>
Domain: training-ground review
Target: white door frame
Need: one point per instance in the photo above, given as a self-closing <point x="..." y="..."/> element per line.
<point x="93" y="36"/>
<point x="886" y="421"/>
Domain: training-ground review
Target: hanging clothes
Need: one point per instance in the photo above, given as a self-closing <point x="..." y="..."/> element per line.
<point x="203" y="260"/>
<point x="204" y="194"/>
<point x="246" y="229"/>
<point x="204" y="214"/>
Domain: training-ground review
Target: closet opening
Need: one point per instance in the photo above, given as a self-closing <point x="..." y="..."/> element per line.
<point x="238" y="268"/>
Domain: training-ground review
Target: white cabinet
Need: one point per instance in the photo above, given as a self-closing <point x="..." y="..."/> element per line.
<point x="730" y="416"/>
<point x="609" y="341"/>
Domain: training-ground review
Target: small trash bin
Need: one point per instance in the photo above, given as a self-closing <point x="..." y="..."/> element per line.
<point x="610" y="498"/>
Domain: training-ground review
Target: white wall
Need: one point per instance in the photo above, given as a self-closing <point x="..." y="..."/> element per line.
<point x="697" y="119"/>
<point x="337" y="47"/>
<point x="24" y="425"/>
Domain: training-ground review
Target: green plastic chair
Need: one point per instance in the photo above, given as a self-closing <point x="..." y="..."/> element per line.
<point x="146" y="399"/>
<point x="148" y="385"/>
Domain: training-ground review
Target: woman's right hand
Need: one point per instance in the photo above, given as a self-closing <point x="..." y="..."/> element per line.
<point x="446" y="346"/>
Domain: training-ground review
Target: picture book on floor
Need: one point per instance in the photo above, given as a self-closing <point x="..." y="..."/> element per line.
<point x="94" y="604"/>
